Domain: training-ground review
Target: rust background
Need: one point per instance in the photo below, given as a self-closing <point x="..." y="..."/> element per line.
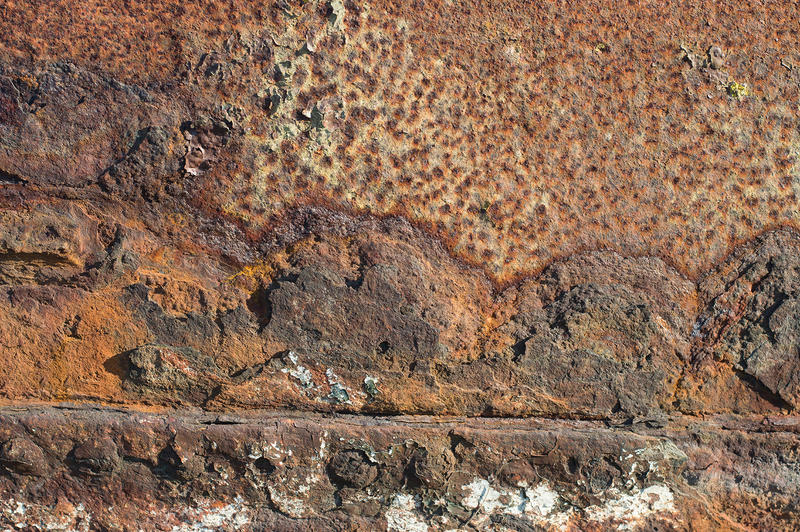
<point x="427" y="227"/>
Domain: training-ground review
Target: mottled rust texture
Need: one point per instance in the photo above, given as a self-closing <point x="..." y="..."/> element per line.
<point x="578" y="216"/>
<point x="518" y="132"/>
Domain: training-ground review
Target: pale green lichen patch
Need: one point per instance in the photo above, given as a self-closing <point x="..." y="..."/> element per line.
<point x="338" y="393"/>
<point x="336" y="14"/>
<point x="371" y="386"/>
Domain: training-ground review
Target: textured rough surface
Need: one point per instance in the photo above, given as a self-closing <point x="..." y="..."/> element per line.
<point x="408" y="266"/>
<point x="114" y="469"/>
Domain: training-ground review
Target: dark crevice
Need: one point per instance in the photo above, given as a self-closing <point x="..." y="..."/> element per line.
<point x="247" y="373"/>
<point x="224" y="422"/>
<point x="7" y="178"/>
<point x="259" y="304"/>
<point x="259" y="301"/>
<point x="213" y="395"/>
<point x="383" y="348"/>
<point x="72" y="327"/>
<point x="355" y="284"/>
<point x="518" y="349"/>
<point x="756" y="287"/>
<point x="48" y="259"/>
<point x="168" y="463"/>
<point x="221" y="326"/>
<point x="767" y="314"/>
<point x="264" y="466"/>
<point x="764" y="392"/>
<point x="457" y="440"/>
<point x="135" y="460"/>
<point x="573" y="466"/>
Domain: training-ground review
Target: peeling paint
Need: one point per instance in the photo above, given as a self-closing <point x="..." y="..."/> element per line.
<point x="271" y="450"/>
<point x="628" y="510"/>
<point x="211" y="517"/>
<point x="537" y="503"/>
<point x="291" y="506"/>
<point x="300" y="372"/>
<point x="63" y="516"/>
<point x="339" y="393"/>
<point x="404" y="516"/>
<point x="540" y="504"/>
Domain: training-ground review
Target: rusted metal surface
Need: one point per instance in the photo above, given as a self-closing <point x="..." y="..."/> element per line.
<point x="519" y="132"/>
<point x="560" y="213"/>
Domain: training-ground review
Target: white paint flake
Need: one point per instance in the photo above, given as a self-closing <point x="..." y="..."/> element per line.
<point x="209" y="518"/>
<point x="299" y="372"/>
<point x="628" y="510"/>
<point x="291" y="506"/>
<point x="28" y="516"/>
<point x="403" y="515"/>
<point x="537" y="503"/>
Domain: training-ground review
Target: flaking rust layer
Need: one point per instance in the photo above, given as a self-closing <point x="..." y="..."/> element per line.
<point x="407" y="266"/>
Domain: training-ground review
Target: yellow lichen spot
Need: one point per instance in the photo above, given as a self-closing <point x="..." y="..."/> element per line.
<point x="28" y="80"/>
<point x="254" y="272"/>
<point x="232" y="210"/>
<point x="738" y="90"/>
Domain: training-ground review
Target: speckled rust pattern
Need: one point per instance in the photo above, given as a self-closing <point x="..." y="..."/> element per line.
<point x="519" y="132"/>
